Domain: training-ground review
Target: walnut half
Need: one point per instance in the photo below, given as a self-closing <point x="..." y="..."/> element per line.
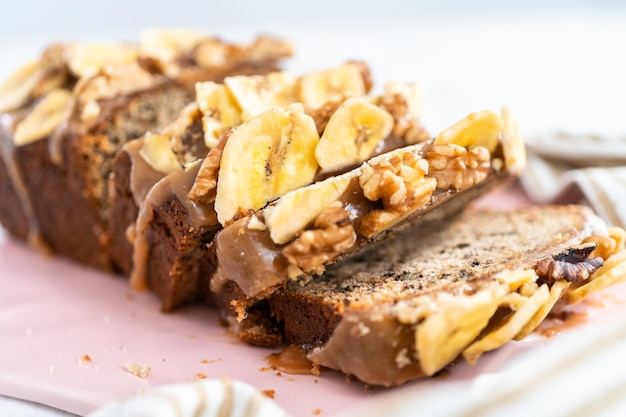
<point x="573" y="265"/>
<point x="332" y="234"/>
<point x="400" y="183"/>
<point x="205" y="186"/>
<point x="456" y="167"/>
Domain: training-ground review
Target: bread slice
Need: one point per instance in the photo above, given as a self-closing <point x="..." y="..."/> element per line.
<point x="298" y="235"/>
<point x="134" y="173"/>
<point x="218" y="107"/>
<point x="67" y="114"/>
<point x="179" y="216"/>
<point x="410" y="305"/>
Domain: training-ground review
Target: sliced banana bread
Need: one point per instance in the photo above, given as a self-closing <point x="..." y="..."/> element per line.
<point x="66" y="115"/>
<point x="298" y="235"/>
<point x="276" y="139"/>
<point x="408" y="306"/>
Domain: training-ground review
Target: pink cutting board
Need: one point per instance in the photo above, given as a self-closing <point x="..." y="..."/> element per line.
<point x="53" y="312"/>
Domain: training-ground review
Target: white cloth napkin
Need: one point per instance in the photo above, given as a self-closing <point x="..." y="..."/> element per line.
<point x="568" y="168"/>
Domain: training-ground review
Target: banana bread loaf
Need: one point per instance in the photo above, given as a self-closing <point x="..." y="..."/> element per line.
<point x="66" y="115"/>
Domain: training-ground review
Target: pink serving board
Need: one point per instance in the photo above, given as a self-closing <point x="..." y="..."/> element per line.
<point x="53" y="312"/>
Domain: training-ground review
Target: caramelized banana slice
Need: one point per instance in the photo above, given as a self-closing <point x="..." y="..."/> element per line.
<point x="318" y="88"/>
<point x="352" y="134"/>
<point x="18" y="88"/>
<point x="44" y="119"/>
<point x="478" y="129"/>
<point x="263" y="159"/>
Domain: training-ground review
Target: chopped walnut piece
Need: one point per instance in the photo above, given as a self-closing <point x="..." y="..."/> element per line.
<point x="573" y="265"/>
<point x="204" y="187"/>
<point x="322" y="114"/>
<point x="400" y="183"/>
<point x="456" y="167"/>
<point x="332" y="233"/>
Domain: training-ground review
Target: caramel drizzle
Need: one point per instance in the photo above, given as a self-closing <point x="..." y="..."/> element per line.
<point x="142" y="175"/>
<point x="7" y="153"/>
<point x="176" y="184"/>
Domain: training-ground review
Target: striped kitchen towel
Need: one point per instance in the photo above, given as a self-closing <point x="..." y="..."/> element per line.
<point x="566" y="168"/>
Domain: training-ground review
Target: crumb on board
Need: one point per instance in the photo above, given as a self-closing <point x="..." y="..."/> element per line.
<point x="140" y="370"/>
<point x="291" y="379"/>
<point x="207" y="361"/>
<point x="199" y="375"/>
<point x="317" y="412"/>
<point x="84" y="360"/>
<point x="269" y="393"/>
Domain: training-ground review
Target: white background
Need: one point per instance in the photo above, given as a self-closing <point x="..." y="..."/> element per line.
<point x="26" y="18"/>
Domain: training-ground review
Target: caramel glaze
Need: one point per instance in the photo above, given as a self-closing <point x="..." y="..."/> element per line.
<point x="292" y="360"/>
<point x="176" y="184"/>
<point x="383" y="354"/>
<point x="8" y="124"/>
<point x="142" y="175"/>
<point x="256" y="264"/>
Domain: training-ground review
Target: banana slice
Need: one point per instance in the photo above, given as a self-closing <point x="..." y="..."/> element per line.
<point x="263" y="159"/>
<point x="478" y="129"/>
<point x="168" y="43"/>
<point x="18" y="88"/>
<point x="294" y="211"/>
<point x="157" y="152"/>
<point x="86" y="59"/>
<point x="318" y="88"/>
<point x="512" y="143"/>
<point x="352" y="134"/>
<point x="258" y="93"/>
<point x="219" y="109"/>
<point x="441" y="337"/>
<point x="47" y="115"/>
<point x="411" y="95"/>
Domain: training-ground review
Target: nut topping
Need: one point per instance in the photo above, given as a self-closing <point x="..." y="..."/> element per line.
<point x="331" y="235"/>
<point x="456" y="167"/>
<point x="573" y="265"/>
<point x="400" y="184"/>
<point x="321" y="115"/>
<point x="204" y="188"/>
